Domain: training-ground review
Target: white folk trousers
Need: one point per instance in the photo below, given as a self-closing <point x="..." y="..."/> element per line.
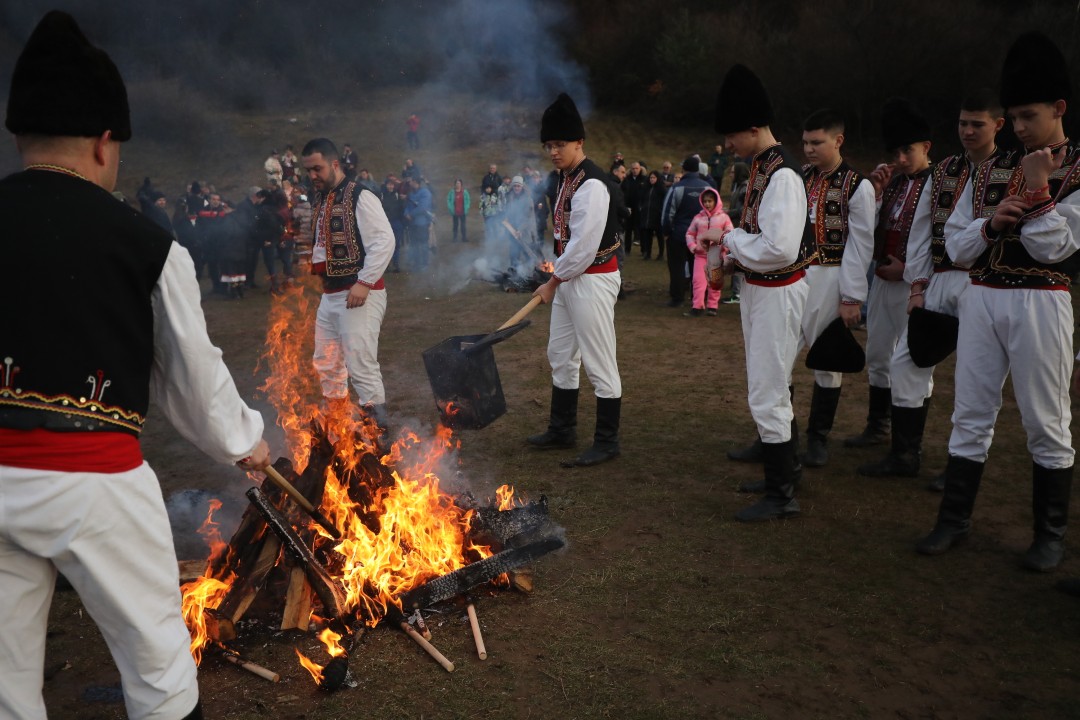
<point x="347" y="347"/>
<point x="583" y="333"/>
<point x="886" y="320"/>
<point x="109" y="534"/>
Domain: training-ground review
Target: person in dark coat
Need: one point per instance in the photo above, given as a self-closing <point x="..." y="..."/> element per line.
<point x="650" y="205"/>
<point x="680" y="207"/>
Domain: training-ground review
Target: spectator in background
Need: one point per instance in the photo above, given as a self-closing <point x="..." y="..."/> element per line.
<point x="301" y="213"/>
<point x="632" y="188"/>
<point x="680" y="207"/>
<point x="666" y="174"/>
<point x="650" y="203"/>
<point x="419" y="216"/>
<point x="492" y="179"/>
<point x="491" y="212"/>
<point x="210" y="222"/>
<point x="520" y="224"/>
<point x="273" y="169"/>
<point x="457" y="204"/>
<point x="183" y="225"/>
<point x="157" y="212"/>
<point x="412" y="133"/>
<point x="367" y="182"/>
<point x="538" y="189"/>
<point x="288" y="164"/>
<point x="718" y="165"/>
<point x="394" y="206"/>
<point x="143" y="195"/>
<point x="411" y="171"/>
<point x="349" y="161"/>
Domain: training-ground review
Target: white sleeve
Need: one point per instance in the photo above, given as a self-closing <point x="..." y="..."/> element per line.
<point x="378" y="237"/>
<point x="963" y="233"/>
<point x="919" y="264"/>
<point x="781" y="218"/>
<point x="1053" y="235"/>
<point x="859" y="249"/>
<point x="189" y="380"/>
<point x="588" y="218"/>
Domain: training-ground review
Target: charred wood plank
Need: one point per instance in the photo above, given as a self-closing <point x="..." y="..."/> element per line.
<point x="517" y="526"/>
<point x="477" y="573"/>
<point x="326" y="588"/>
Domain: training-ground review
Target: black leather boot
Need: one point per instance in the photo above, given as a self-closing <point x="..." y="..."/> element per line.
<point x="937" y="483"/>
<point x="606" y="437"/>
<point x="562" y="427"/>
<point x="757" y="487"/>
<point x="876" y="431"/>
<point x="822" y="412"/>
<point x="962" y="478"/>
<point x="779" y="501"/>
<point x="751" y="453"/>
<point x="1050" y="491"/>
<point x="195" y="714"/>
<point x="903" y="459"/>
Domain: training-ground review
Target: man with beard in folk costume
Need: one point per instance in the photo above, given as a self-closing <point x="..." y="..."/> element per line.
<point x="76" y="495"/>
<point x="582" y="290"/>
<point x="900" y="187"/>
<point x="1017" y="226"/>
<point x="936" y="284"/>
<point x="353" y="244"/>
<point x="771" y="245"/>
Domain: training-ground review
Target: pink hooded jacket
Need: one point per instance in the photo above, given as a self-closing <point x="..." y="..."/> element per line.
<point x="707" y="225"/>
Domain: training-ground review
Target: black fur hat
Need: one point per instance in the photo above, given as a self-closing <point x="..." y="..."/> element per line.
<point x="836" y="350"/>
<point x="901" y="124"/>
<point x="62" y="85"/>
<point x="742" y="102"/>
<point x="562" y="121"/>
<point x="1034" y="71"/>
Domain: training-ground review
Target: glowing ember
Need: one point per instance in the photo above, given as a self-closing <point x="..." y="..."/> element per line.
<point x="547" y="266"/>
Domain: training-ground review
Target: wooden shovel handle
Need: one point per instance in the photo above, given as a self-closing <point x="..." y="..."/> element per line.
<point x="520" y="314"/>
<point x="302" y="501"/>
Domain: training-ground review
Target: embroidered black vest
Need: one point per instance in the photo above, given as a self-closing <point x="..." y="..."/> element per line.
<point x="340" y="235"/>
<point x="568" y="185"/>
<point x="765" y="164"/>
<point x="831" y="210"/>
<point x="77" y="344"/>
<point x="889" y="197"/>
<point x="949" y="178"/>
<point x="1007" y="263"/>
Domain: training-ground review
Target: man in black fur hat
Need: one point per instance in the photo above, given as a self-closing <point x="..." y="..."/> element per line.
<point x="76" y="495"/>
<point x="935" y="283"/>
<point x="771" y="245"/>
<point x="1017" y="226"/>
<point x="900" y="186"/>
<point x="582" y="290"/>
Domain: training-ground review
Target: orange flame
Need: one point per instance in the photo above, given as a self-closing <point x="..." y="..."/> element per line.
<point x="207" y="592"/>
<point x="547" y="266"/>
<point x="311" y="666"/>
<point x="398" y="530"/>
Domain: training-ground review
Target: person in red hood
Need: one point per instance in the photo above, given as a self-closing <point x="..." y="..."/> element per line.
<point x="706" y="229"/>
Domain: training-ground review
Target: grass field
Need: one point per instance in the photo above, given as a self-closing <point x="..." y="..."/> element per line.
<point x="662" y="606"/>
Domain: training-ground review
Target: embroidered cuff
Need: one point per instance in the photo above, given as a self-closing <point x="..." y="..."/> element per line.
<point x="1039" y="210"/>
<point x="923" y="282"/>
<point x="369" y="286"/>
<point x="988" y="235"/>
<point x="849" y="301"/>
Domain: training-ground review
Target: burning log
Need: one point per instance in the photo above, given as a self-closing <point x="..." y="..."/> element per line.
<point x="223" y="619"/>
<point x="481" y="651"/>
<point x="326" y="588"/>
<point x="303" y="502"/>
<point x="335" y="673"/>
<point x="297" y="601"/>
<point x="517" y="526"/>
<point x="481" y="571"/>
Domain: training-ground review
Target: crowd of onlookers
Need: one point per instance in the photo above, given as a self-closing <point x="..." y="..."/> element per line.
<point x="271" y="225"/>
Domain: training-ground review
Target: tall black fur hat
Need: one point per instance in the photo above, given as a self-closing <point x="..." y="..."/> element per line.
<point x="742" y="102"/>
<point x="932" y="336"/>
<point x="901" y="124"/>
<point x="836" y="350"/>
<point x="562" y="121"/>
<point x="63" y="85"/>
<point x="1034" y="71"/>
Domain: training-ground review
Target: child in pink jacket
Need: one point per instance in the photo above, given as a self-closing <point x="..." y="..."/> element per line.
<point x="706" y="229"/>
